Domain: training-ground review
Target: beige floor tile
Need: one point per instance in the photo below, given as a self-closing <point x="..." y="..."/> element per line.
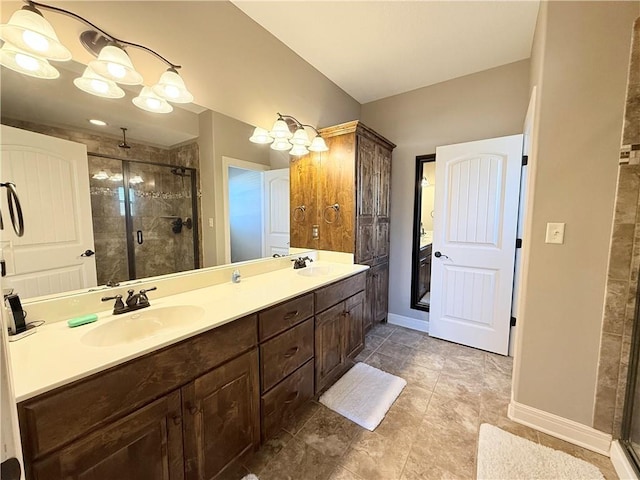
<point x="498" y="363"/>
<point x="420" y="468"/>
<point x="302" y="416"/>
<point x="267" y="451"/>
<point x="428" y="359"/>
<point x="364" y="354"/>
<point x="297" y="461"/>
<point x="383" y="329"/>
<point x="419" y="375"/>
<point x="375" y="457"/>
<point x="407" y="337"/>
<point x="395" y="350"/>
<point x="385" y="363"/>
<point x="328" y="432"/>
<point x="373" y="341"/>
<point x="341" y="473"/>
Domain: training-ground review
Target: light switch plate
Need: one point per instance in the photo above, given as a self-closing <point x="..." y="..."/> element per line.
<point x="555" y="233"/>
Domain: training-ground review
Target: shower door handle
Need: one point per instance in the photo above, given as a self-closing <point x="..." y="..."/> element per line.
<point x="140" y="237"/>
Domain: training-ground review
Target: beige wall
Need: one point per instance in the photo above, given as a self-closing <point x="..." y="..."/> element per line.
<point x="487" y="104"/>
<point x="580" y="67"/>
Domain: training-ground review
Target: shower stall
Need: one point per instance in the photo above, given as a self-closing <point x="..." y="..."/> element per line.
<point x="145" y="218"/>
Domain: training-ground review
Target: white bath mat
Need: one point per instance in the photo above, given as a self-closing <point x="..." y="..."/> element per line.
<point x="363" y="395"/>
<point x="502" y="455"/>
<point x="251" y="476"/>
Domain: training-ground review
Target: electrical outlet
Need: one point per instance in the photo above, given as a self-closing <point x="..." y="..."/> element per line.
<point x="315" y="234"/>
<point x="555" y="233"/>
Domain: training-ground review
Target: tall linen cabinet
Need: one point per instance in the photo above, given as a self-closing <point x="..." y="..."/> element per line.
<point x="340" y="201"/>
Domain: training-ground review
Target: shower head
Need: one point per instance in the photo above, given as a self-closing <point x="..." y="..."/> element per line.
<point x="124" y="143"/>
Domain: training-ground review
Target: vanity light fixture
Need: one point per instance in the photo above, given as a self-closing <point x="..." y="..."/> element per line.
<point x="136" y="179"/>
<point x="425" y="183"/>
<point x="101" y="175"/>
<point x="30" y="41"/>
<point x="282" y="138"/>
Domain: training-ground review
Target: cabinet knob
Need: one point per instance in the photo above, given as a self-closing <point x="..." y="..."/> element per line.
<point x="177" y="419"/>
<point x="291" y="352"/>
<point x="292" y="397"/>
<point x="193" y="410"/>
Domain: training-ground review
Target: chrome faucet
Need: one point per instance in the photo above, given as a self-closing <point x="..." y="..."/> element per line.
<point x="134" y="301"/>
<point x="235" y="276"/>
<point x="300" y="262"/>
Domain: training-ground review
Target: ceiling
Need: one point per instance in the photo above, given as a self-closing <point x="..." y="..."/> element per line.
<point x="376" y="49"/>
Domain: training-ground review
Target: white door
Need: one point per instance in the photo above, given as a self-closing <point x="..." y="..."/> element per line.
<point x="276" y="212"/>
<point x="52" y="180"/>
<point x="476" y="211"/>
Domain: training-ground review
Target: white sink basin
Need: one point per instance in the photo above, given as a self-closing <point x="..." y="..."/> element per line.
<point x="142" y="324"/>
<point x="315" y="271"/>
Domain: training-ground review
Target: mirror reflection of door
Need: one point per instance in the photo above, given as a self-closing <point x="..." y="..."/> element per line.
<point x="423" y="231"/>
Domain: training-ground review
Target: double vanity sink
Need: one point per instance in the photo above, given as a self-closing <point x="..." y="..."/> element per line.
<point x="216" y="369"/>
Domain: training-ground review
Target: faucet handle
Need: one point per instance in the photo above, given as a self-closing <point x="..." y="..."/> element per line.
<point x="143" y="299"/>
<point x="115" y="297"/>
<point x="118" y="306"/>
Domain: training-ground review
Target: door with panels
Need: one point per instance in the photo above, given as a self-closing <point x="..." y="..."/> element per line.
<point x="476" y="208"/>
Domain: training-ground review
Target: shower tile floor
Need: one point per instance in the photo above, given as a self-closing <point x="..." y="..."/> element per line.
<point x="430" y="432"/>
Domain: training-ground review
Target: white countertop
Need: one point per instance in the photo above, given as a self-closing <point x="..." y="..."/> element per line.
<point x="55" y="355"/>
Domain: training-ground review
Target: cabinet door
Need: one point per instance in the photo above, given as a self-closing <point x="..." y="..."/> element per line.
<point x="381" y="292"/>
<point x="369" y="301"/>
<point x="367" y="178"/>
<point x="145" y="445"/>
<point x="221" y="417"/>
<point x="330" y="355"/>
<point x="382" y="240"/>
<point x="354" y="325"/>
<point x="383" y="168"/>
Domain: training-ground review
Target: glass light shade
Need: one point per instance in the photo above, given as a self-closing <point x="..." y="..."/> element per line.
<point x="171" y="87"/>
<point x="25" y="63"/>
<point x="280" y="129"/>
<point x="425" y="183"/>
<point x="260" y="135"/>
<point x="298" y="150"/>
<point x="136" y="179"/>
<point x="318" y="145"/>
<point x="116" y="177"/>
<point x="114" y="64"/>
<point x="149" y="101"/>
<point x="94" y="84"/>
<point x="281" y="144"/>
<point x="101" y="175"/>
<point x="32" y="33"/>
<point x="300" y="137"/>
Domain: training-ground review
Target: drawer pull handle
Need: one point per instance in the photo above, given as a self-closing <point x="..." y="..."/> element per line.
<point x="291" y="315"/>
<point x="193" y="410"/>
<point x="291" y="352"/>
<point x="176" y="420"/>
<point x="293" y="397"/>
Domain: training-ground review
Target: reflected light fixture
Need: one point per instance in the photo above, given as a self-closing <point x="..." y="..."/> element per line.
<point x="149" y="101"/>
<point x="30" y="42"/>
<point x="101" y="175"/>
<point x="25" y="63"/>
<point x="282" y="138"/>
<point x="425" y="183"/>
<point x="99" y="123"/>
<point x="94" y="84"/>
<point x="136" y="179"/>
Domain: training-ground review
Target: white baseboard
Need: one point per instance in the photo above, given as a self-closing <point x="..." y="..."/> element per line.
<point x="561" y="427"/>
<point x="408" y="322"/>
<point x="621" y="462"/>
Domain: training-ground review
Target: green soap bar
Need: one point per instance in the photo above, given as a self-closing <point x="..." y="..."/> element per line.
<point x="76" y="322"/>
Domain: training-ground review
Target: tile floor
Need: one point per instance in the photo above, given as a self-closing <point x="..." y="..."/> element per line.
<point x="430" y="432"/>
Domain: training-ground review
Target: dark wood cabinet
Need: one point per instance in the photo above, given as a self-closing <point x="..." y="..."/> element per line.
<point x="380" y="291"/>
<point x="424" y="271"/>
<point x="339" y="328"/>
<point x="354" y="319"/>
<point x="356" y="175"/>
<point x="144" y="445"/>
<point x="221" y="417"/>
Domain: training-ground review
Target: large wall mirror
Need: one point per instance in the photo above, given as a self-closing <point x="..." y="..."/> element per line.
<point x="182" y="191"/>
<point x="423" y="212"/>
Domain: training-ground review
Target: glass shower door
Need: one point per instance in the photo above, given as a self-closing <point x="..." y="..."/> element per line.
<point x="163" y="228"/>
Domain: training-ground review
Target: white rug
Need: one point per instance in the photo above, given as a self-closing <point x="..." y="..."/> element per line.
<point x="364" y="395"/>
<point x="251" y="476"/>
<point x="502" y="456"/>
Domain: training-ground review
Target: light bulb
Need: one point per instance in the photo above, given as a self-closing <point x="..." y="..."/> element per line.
<point x="99" y="86"/>
<point x="116" y="70"/>
<point x="27" y="62"/>
<point x="35" y="40"/>
<point x="153" y="103"/>
<point x="171" y="91"/>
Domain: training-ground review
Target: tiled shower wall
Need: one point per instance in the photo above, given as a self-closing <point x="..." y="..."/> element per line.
<point x="624" y="265"/>
<point x="161" y="194"/>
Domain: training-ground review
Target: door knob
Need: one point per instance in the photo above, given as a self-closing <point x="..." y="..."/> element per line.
<point x="438" y="255"/>
<point x="88" y="253"/>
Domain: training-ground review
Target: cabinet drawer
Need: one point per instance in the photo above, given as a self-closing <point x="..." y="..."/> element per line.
<point x="277" y="319"/>
<point x="280" y="403"/>
<point x="47" y="422"/>
<point x="283" y="354"/>
<point x="337" y="292"/>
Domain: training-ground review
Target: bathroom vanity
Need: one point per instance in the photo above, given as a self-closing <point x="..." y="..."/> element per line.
<point x="195" y="407"/>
